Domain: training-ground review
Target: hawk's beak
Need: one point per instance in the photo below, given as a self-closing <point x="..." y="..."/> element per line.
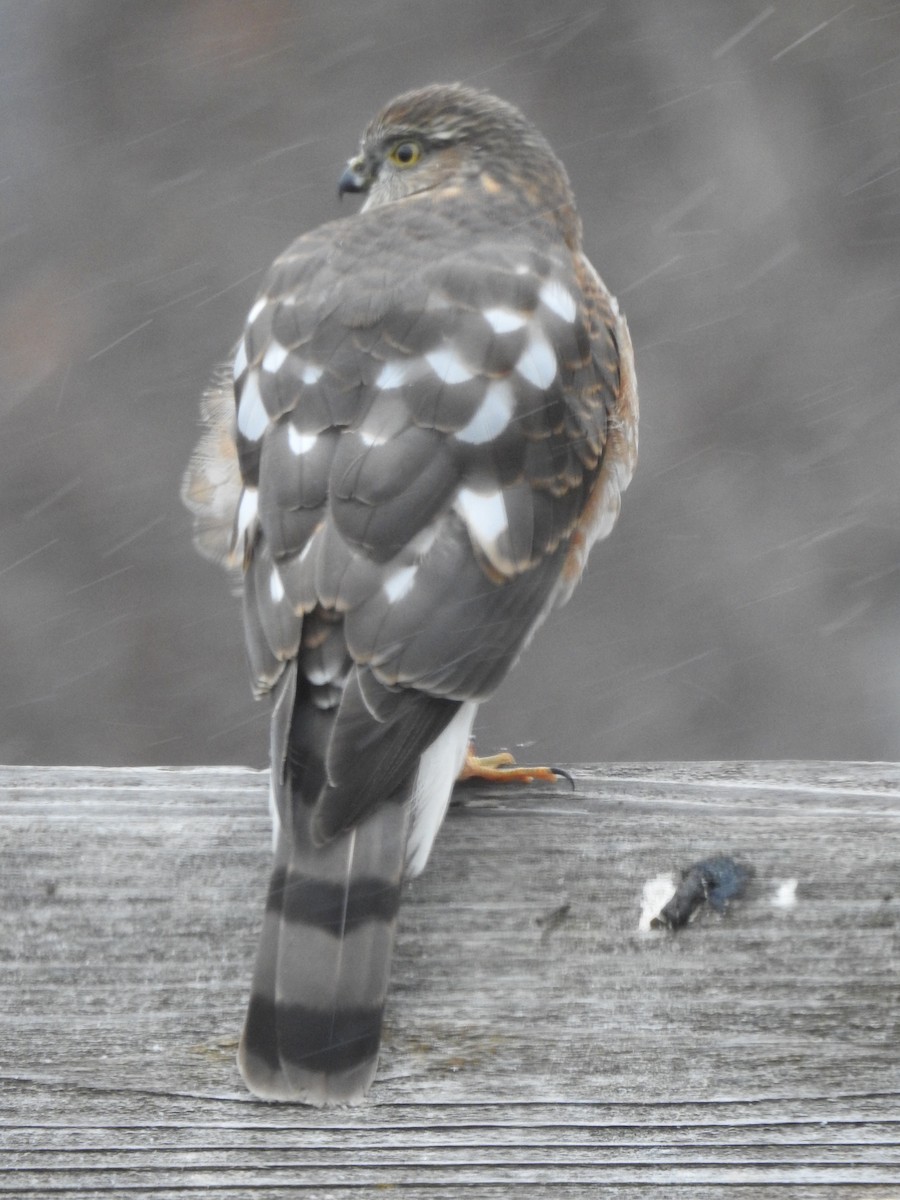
<point x="354" y="178"/>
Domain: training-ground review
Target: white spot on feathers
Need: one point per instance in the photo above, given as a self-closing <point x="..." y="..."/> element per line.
<point x="274" y="357"/>
<point x="371" y="439"/>
<point x="310" y="373"/>
<point x="423" y="541"/>
<point x="559" y="300"/>
<point x="395" y="374"/>
<point x="503" y="320"/>
<point x="276" y="587"/>
<point x="246" y="513"/>
<point x="537" y="362"/>
<point x="252" y="417"/>
<point x="485" y="516"/>
<point x="399" y="584"/>
<point x="300" y="443"/>
<point x="256" y="309"/>
<point x="492" y="415"/>
<point x="448" y="366"/>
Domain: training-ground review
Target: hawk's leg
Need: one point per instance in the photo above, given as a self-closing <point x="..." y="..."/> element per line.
<point x="501" y="768"/>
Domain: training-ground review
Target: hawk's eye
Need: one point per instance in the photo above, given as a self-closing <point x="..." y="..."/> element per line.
<point x="406" y="154"/>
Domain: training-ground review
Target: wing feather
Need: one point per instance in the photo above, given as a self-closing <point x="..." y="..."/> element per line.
<point x="427" y="440"/>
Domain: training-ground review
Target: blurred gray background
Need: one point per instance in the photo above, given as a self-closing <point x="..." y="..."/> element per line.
<point x="737" y="166"/>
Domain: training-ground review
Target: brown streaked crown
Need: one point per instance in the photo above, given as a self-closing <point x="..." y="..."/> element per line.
<point x="481" y="135"/>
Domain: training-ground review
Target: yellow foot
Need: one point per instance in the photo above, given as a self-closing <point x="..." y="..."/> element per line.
<point x="501" y="768"/>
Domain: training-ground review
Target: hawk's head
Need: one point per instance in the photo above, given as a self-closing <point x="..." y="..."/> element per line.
<point x="446" y="136"/>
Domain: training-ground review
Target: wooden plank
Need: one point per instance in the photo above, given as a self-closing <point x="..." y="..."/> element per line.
<point x="536" y="1038"/>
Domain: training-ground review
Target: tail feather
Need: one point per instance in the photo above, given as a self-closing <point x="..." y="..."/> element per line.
<point x="314" y="1022"/>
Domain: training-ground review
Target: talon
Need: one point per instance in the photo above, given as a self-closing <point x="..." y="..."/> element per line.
<point x="501" y="768"/>
<point x="563" y="774"/>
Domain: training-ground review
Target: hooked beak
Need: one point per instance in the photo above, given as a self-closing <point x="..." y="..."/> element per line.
<point x="354" y="178"/>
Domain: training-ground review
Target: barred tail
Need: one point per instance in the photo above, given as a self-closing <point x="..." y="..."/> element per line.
<point x="313" y="1025"/>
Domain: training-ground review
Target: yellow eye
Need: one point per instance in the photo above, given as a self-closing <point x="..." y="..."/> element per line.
<point x="406" y="154"/>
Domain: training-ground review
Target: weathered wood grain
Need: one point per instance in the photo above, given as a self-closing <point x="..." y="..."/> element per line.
<point x="536" y="1040"/>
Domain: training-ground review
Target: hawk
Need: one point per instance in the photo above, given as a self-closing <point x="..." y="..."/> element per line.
<point x="430" y="417"/>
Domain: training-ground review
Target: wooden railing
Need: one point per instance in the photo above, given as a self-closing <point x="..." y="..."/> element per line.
<point x="538" y="1041"/>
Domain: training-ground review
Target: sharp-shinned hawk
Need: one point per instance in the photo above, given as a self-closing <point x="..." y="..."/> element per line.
<point x="430" y="417"/>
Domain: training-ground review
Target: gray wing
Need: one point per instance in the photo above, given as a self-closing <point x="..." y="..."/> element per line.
<point x="416" y="465"/>
<point x="417" y="453"/>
